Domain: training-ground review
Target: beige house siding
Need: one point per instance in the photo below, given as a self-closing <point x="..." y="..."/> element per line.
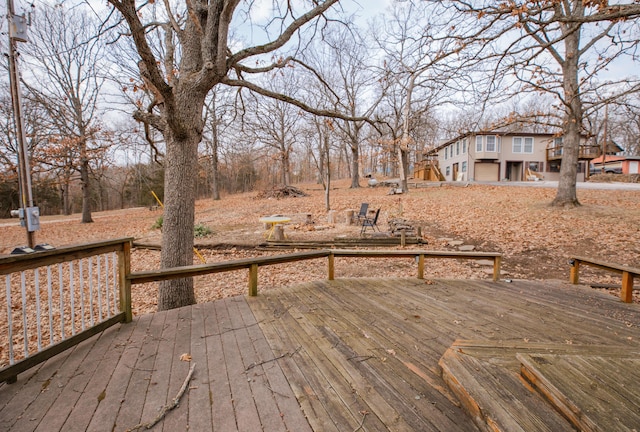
<point x="498" y="157"/>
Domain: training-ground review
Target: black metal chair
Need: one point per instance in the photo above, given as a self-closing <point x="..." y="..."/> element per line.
<point x="362" y="214"/>
<point x="370" y="222"/>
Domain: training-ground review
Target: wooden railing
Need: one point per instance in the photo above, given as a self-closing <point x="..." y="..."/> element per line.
<point x="55" y="299"/>
<point x="586" y="151"/>
<point x="84" y="297"/>
<point x="254" y="263"/>
<point x="628" y="274"/>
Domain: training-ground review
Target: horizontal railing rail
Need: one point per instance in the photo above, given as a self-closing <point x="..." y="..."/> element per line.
<point x="55" y="299"/>
<point x="628" y="274"/>
<point x="202" y="269"/>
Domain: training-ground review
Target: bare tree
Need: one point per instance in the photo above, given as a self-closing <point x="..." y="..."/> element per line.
<point x="67" y="59"/>
<point x="348" y="69"/>
<point x="272" y="124"/>
<point x="560" y="47"/>
<point x="420" y="68"/>
<point x="197" y="56"/>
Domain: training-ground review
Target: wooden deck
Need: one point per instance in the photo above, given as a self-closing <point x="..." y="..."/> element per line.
<point x="343" y="355"/>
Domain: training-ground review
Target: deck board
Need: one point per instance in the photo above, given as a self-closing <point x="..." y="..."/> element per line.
<point x="349" y="354"/>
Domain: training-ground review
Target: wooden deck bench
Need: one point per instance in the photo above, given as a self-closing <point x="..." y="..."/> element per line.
<point x="628" y="274"/>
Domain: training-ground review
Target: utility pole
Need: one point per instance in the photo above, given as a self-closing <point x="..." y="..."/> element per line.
<point x="29" y="215"/>
<point x="605" y="146"/>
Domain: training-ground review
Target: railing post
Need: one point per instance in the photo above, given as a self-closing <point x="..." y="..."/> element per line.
<point x="575" y="268"/>
<point x="331" y="266"/>
<point x="253" y="280"/>
<point x="497" y="262"/>
<point x="626" y="293"/>
<point x="124" y="269"/>
<point x="421" y="266"/>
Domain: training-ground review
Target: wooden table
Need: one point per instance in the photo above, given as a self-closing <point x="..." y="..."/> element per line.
<point x="273" y="221"/>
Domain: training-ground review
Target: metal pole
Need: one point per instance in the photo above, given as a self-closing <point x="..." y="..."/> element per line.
<point x="24" y="179"/>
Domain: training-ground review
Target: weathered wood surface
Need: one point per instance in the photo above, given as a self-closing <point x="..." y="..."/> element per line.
<point x="345" y="355"/>
<point x="125" y="375"/>
<point x="367" y="350"/>
<point x="598" y="393"/>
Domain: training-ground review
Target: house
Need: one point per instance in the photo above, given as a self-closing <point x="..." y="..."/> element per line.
<point x="616" y="164"/>
<point x="496" y="156"/>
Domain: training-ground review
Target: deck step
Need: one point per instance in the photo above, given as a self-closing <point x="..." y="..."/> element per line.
<point x="599" y="385"/>
<point x="487" y="381"/>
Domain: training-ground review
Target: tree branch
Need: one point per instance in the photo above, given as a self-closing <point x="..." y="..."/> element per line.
<point x="284" y="36"/>
<point x="288" y="99"/>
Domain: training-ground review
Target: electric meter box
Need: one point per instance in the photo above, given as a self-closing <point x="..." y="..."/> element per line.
<point x="32" y="218"/>
<point x="18" y="28"/>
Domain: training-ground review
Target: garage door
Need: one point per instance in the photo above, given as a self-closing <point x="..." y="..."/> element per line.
<point x="487" y="171"/>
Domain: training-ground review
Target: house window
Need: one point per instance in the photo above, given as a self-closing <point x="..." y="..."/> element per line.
<point x="536" y="166"/>
<point x="464" y="146"/>
<point x="491" y="143"/>
<point x="528" y="145"/>
<point x="553" y="166"/>
<point x="479" y="144"/>
<point x="557" y="142"/>
<point x="448" y="171"/>
<point x="463" y="167"/>
<point x="517" y="144"/>
<point x="446" y="153"/>
<point x="457" y="148"/>
<point x="522" y="144"/>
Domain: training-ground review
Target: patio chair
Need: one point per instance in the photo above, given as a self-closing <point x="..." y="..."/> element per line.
<point x="370" y="222"/>
<point x="362" y="214"/>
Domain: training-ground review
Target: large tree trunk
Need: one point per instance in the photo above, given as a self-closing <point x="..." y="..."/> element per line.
<point x="566" y="194"/>
<point x="179" y="210"/>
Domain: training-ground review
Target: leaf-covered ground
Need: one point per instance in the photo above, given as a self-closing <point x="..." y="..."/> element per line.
<point x="536" y="239"/>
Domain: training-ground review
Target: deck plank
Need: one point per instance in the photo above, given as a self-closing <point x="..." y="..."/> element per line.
<point x="139" y="381"/>
<point x="114" y="394"/>
<point x="199" y="401"/>
<point x="158" y="391"/>
<point x="222" y="410"/>
<point x="240" y="388"/>
<point x="254" y="368"/>
<point x="288" y="408"/>
<point x="179" y="417"/>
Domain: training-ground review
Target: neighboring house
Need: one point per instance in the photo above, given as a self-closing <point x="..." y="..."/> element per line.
<point x="616" y="164"/>
<point x="496" y="156"/>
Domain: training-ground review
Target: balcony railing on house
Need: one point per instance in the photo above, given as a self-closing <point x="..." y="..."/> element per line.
<point x="586" y="152"/>
<point x="56" y="299"/>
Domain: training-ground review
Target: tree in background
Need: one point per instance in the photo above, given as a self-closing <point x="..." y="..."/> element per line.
<point x="66" y="62"/>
